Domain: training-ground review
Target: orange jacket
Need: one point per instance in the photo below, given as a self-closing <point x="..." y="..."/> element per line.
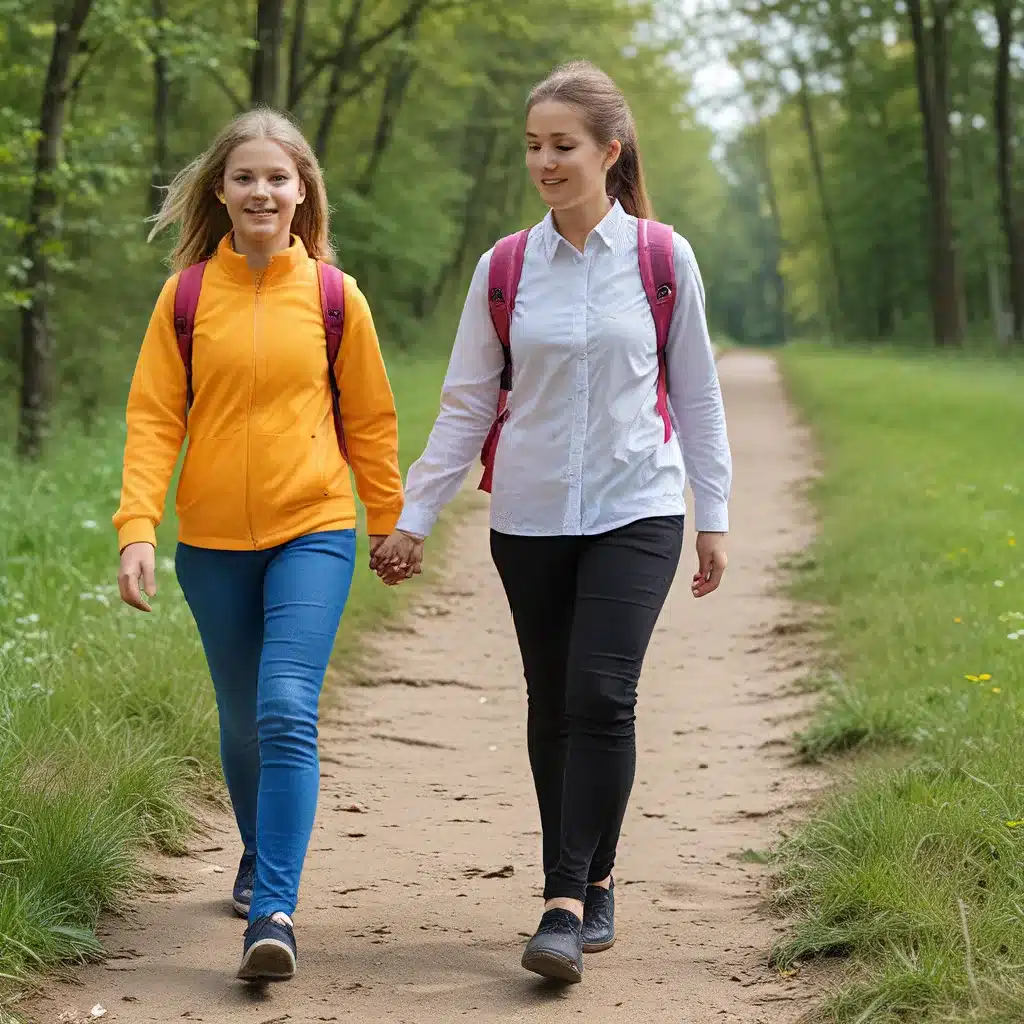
<point x="262" y="464"/>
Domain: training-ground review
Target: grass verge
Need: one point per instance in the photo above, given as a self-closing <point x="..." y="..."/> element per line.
<point x="107" y="719"/>
<point x="916" y="872"/>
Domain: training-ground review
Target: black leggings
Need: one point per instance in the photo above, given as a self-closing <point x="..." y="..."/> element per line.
<point x="584" y="610"/>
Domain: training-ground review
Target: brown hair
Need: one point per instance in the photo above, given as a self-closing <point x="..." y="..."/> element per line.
<point x="191" y="201"/>
<point x="607" y="116"/>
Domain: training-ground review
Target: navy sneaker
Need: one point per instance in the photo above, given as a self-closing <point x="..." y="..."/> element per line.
<point x="268" y="953"/>
<point x="241" y="895"/>
<point x="599" y="918"/>
<point x="556" y="949"/>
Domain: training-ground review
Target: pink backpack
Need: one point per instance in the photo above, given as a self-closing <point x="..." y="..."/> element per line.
<point x="658" y="273"/>
<point x="332" y="305"/>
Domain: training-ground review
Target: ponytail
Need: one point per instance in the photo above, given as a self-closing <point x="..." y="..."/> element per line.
<point x="626" y="183"/>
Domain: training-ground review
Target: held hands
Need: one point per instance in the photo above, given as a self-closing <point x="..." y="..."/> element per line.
<point x="396" y="557"/>
<point x="711" y="563"/>
<point x="138" y="561"/>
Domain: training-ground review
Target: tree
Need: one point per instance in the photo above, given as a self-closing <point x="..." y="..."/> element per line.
<point x="43" y="228"/>
<point x="1012" y="221"/>
<point x="265" y="84"/>
<point x="931" y="62"/>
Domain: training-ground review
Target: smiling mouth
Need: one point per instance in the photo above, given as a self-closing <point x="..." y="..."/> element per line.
<point x="553" y="181"/>
<point x="261" y="213"/>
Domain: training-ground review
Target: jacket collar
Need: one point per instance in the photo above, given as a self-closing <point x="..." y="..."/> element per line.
<point x="282" y="264"/>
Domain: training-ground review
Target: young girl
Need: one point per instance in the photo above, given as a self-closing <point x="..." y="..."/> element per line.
<point x="266" y="541"/>
<point x="588" y="478"/>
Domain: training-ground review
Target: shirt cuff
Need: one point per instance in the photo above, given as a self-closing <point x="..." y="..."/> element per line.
<point x="136" y="531"/>
<point x="711" y="517"/>
<point x="381" y="521"/>
<point x="417" y="519"/>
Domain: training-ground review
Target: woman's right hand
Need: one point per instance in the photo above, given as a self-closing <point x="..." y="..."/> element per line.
<point x="138" y="562"/>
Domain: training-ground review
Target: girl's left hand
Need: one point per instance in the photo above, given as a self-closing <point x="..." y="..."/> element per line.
<point x="711" y="563"/>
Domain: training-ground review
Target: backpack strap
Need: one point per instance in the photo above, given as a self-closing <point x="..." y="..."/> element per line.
<point x="658" y="273"/>
<point x="186" y="301"/>
<point x="506" y="267"/>
<point x="332" y="305"/>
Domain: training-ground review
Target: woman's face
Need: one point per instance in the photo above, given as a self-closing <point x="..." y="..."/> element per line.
<point x="261" y="189"/>
<point x="565" y="162"/>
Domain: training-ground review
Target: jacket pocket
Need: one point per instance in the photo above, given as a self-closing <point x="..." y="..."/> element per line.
<point x="211" y="495"/>
<point x="287" y="475"/>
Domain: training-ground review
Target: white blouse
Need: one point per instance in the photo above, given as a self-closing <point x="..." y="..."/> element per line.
<point x="584" y="449"/>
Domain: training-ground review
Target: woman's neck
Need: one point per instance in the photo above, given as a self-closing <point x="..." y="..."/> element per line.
<point x="259" y="254"/>
<point x="576" y="223"/>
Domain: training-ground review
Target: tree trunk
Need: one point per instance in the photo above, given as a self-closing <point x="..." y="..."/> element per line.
<point x="931" y="66"/>
<point x="295" y="55"/>
<point x="1013" y="227"/>
<point x="480" y="140"/>
<point x="773" y="255"/>
<point x="37" y="369"/>
<point x="332" y="102"/>
<point x="395" y="89"/>
<point x="266" y="61"/>
<point x="161" y="107"/>
<point x="817" y="165"/>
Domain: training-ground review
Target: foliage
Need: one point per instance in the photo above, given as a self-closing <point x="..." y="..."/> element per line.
<point x="415" y="106"/>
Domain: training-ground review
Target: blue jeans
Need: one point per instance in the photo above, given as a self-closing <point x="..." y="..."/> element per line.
<point x="267" y="620"/>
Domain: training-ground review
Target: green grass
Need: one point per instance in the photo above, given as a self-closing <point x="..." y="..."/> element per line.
<point x="914" y="869"/>
<point x="107" y="720"/>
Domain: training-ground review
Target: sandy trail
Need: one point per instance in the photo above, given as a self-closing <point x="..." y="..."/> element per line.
<point x="415" y="907"/>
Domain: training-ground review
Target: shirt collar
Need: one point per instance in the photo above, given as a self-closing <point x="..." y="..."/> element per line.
<point x="610" y="229"/>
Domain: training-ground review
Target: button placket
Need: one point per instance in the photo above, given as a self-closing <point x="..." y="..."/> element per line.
<point x="581" y="397"/>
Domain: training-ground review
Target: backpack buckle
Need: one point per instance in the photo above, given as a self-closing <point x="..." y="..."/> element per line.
<point x="663" y="292"/>
<point x="497" y="295"/>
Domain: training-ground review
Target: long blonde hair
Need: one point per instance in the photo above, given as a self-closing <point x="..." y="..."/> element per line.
<point x="191" y="201"/>
<point x="607" y="116"/>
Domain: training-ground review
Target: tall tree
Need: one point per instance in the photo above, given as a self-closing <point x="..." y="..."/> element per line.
<point x="931" y="62"/>
<point x="161" y="104"/>
<point x="265" y="85"/>
<point x="43" y="226"/>
<point x="1012" y="221"/>
<point x="818" y="167"/>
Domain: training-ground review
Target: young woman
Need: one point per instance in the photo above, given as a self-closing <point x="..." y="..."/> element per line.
<point x="266" y="541"/>
<point x="588" y="477"/>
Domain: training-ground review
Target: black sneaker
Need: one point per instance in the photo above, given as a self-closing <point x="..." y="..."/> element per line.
<point x="241" y="895"/>
<point x="269" y="951"/>
<point x="599" y="918"/>
<point x="556" y="950"/>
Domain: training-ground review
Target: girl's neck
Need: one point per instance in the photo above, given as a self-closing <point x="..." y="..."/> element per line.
<point x="576" y="223"/>
<point x="259" y="254"/>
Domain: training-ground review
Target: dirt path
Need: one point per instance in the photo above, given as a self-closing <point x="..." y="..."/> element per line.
<point x="415" y="908"/>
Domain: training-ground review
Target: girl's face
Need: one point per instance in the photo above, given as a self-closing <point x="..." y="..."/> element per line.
<point x="261" y="190"/>
<point x="563" y="158"/>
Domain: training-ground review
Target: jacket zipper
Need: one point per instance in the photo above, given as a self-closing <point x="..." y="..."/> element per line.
<point x="248" y="419"/>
